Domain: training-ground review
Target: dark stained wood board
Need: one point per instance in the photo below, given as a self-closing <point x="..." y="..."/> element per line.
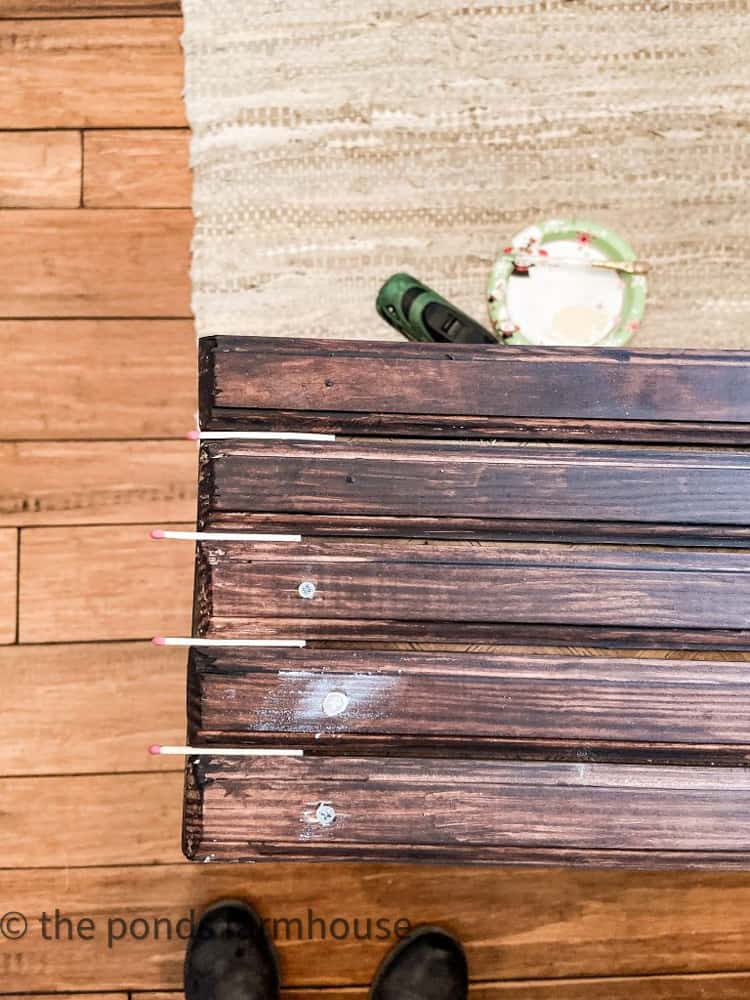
<point x="478" y="528"/>
<point x="371" y="487"/>
<point x="552" y="706"/>
<point x="474" y="810"/>
<point x="432" y="389"/>
<point x="575" y="499"/>
<point x="466" y="584"/>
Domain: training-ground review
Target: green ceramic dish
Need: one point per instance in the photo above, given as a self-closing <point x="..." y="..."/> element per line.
<point x="593" y="307"/>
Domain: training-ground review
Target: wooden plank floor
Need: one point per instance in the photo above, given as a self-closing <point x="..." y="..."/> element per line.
<point x="99" y="371"/>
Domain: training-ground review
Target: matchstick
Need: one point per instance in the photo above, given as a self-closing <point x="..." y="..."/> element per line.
<point x="157" y="749"/>
<point x="258" y="436"/>
<point x="222" y="536"/>
<point x="171" y="640"/>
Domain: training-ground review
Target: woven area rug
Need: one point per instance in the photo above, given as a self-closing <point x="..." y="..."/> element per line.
<point x="335" y="142"/>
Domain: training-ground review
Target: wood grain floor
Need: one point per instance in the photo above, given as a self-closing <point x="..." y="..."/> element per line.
<point x="98" y="389"/>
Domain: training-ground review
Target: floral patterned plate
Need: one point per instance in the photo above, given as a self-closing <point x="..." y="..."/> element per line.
<point x="544" y="291"/>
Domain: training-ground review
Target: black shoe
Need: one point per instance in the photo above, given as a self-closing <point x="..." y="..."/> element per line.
<point x="229" y="956"/>
<point x="430" y="964"/>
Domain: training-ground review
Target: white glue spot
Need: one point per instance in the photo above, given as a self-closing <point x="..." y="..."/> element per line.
<point x="334" y="703"/>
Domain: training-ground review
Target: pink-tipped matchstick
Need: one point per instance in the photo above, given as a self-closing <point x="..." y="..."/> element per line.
<point x="173" y="640"/>
<point x="224" y="536"/>
<point x="258" y="436"/>
<point x="157" y="749"/>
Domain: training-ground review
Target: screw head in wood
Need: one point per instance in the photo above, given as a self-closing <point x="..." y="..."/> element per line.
<point x="334" y="703"/>
<point x="306" y="589"/>
<point x="325" y="814"/>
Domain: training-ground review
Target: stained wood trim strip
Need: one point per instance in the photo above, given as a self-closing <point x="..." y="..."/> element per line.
<point x="468" y="703"/>
<point x="482" y="811"/>
<point x="488" y="528"/>
<point x="324" y="631"/>
<point x="455" y="482"/>
<point x="469" y="584"/>
<point x="428" y="389"/>
<point x="488" y="764"/>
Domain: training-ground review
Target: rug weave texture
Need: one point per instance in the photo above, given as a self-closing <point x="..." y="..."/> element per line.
<point x="334" y="143"/>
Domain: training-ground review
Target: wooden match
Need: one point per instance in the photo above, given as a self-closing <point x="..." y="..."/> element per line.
<point x="157" y="749"/>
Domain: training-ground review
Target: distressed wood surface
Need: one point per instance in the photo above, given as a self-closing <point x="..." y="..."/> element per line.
<point x="552" y="706"/>
<point x="142" y="385"/>
<point x="468" y="756"/>
<point x="96" y="482"/>
<point x="724" y="643"/>
<point x="346" y="387"/>
<point x="454" y="484"/>
<point x="40" y="169"/>
<point x="102" y="582"/>
<point x="470" y="810"/>
<point x="488" y="528"/>
<point x="463" y="583"/>
<point x="8" y="584"/>
<point x="57" y="263"/>
<point x="116" y="697"/>
<point x="129" y="168"/>
<point x="103" y="72"/>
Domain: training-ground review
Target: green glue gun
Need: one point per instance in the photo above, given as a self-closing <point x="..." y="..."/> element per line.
<point x="421" y="314"/>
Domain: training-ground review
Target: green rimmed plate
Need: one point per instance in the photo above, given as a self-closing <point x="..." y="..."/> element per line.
<point x="561" y="300"/>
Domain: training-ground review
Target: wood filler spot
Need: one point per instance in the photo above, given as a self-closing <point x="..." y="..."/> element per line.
<point x="335" y="703"/>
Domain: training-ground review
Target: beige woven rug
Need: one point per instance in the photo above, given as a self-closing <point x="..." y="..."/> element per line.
<point x="337" y="141"/>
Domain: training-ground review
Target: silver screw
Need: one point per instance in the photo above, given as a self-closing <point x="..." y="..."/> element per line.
<point x="306" y="589"/>
<point x="334" y="703"/>
<point x="325" y="814"/>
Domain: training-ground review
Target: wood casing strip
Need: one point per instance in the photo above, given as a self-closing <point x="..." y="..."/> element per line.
<point x="483" y="490"/>
<point x="470" y="756"/>
<point x="428" y="389"/>
<point x="476" y="810"/>
<point x="470" y="588"/>
<point x="551" y="706"/>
